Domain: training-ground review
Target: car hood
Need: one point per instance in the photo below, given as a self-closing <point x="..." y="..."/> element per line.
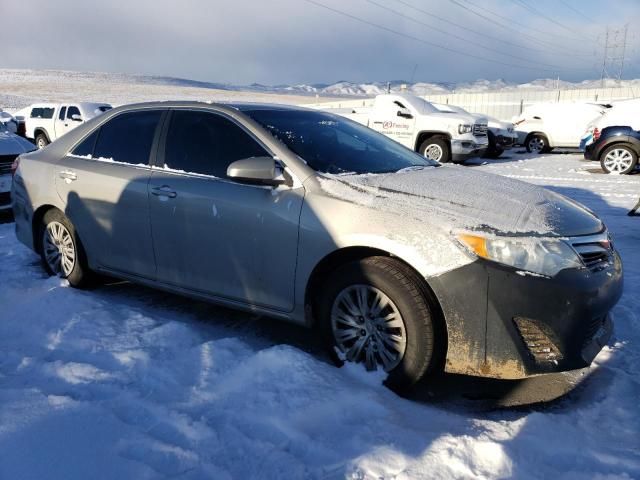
<point x="458" y="198"/>
<point x="11" y="144"/>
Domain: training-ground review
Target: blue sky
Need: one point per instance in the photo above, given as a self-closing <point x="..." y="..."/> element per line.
<point x="321" y="41"/>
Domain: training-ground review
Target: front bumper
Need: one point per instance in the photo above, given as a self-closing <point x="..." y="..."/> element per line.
<point x="464" y="149"/>
<point x="503" y="324"/>
<point x="505" y="142"/>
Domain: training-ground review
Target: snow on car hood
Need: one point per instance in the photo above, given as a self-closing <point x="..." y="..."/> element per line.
<point x="11" y="144"/>
<point x="456" y="197"/>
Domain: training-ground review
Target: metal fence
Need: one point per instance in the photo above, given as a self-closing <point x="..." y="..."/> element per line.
<point x="506" y="104"/>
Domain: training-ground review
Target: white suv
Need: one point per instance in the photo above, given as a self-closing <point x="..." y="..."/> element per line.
<point x="545" y="126"/>
<point x="45" y="122"/>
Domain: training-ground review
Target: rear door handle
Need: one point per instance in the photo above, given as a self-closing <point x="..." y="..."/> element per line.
<point x="68" y="175"/>
<point x="164" y="191"/>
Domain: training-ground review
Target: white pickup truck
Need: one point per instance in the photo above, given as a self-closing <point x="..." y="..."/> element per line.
<point x="44" y="122"/>
<point x="417" y="124"/>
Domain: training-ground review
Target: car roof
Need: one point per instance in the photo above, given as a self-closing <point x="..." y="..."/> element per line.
<point x="239" y="106"/>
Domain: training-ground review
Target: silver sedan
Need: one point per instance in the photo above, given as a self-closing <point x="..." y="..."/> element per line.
<point x="402" y="264"/>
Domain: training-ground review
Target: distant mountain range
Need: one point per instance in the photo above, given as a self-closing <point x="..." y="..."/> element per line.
<point x="337" y="89"/>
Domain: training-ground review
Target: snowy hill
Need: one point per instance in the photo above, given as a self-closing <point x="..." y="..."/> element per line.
<point x="26" y="83"/>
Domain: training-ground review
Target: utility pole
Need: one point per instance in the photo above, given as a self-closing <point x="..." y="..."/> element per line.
<point x="615" y="48"/>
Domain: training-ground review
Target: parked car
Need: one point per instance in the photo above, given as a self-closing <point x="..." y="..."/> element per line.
<point x="501" y="135"/>
<point x="11" y="145"/>
<point x="10" y="123"/>
<point x="616" y="148"/>
<point x="624" y="112"/>
<point x="48" y="121"/>
<point x="420" y="126"/>
<point x="402" y="263"/>
<point x="545" y="126"/>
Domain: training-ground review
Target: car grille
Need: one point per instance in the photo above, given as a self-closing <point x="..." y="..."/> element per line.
<point x="5" y="163"/>
<point x="538" y="341"/>
<point x="480" y="129"/>
<point x="596" y="251"/>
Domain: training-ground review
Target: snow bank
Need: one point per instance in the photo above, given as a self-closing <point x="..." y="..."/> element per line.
<point x="125" y="382"/>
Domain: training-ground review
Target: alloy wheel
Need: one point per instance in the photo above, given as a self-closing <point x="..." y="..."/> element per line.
<point x="536" y="144"/>
<point x="368" y="327"/>
<point x="618" y="160"/>
<point x="59" y="250"/>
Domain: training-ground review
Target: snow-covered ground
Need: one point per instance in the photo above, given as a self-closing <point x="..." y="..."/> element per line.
<point x="126" y="382"/>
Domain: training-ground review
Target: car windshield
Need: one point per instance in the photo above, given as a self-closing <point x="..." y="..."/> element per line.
<point x="333" y="144"/>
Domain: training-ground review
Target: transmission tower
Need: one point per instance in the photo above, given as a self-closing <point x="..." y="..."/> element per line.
<point x="615" y="48"/>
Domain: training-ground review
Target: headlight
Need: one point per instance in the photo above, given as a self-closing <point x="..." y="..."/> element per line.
<point x="542" y="256"/>
<point x="464" y="128"/>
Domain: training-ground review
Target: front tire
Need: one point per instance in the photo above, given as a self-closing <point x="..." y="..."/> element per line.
<point x="435" y="148"/>
<point x="61" y="251"/>
<point x="537" y="143"/>
<point x="618" y="159"/>
<point x="374" y="311"/>
<point x="41" y="140"/>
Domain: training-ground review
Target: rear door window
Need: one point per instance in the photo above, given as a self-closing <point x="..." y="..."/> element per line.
<point x="48" y="112"/>
<point x="85" y="148"/>
<point x="128" y="137"/>
<point x="207" y="143"/>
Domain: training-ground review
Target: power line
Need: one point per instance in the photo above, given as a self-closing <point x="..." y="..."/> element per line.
<point x="511" y="20"/>
<point x="421" y="40"/>
<point x="483" y="34"/>
<point x="493" y="21"/>
<point x="577" y="11"/>
<point x="535" y="11"/>
<point x="445" y="32"/>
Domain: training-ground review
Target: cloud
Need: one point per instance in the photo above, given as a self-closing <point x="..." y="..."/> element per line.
<point x="294" y="41"/>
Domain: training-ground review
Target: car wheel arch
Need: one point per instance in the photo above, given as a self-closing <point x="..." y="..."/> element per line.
<point x="537" y="132"/>
<point x="344" y="255"/>
<point x="36" y="223"/>
<point x="625" y="143"/>
<point x="426" y="134"/>
<point x="40" y="130"/>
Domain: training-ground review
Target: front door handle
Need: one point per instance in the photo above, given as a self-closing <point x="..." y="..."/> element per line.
<point x="68" y="175"/>
<point x="164" y="191"/>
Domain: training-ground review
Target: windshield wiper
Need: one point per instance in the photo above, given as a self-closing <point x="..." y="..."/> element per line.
<point x="413" y="167"/>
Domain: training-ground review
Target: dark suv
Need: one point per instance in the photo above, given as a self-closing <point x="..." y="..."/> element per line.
<point x="616" y="148"/>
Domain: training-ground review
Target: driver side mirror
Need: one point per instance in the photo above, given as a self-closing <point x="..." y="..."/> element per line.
<point x="76" y="118"/>
<point x="257" y="170"/>
<point x="405" y="113"/>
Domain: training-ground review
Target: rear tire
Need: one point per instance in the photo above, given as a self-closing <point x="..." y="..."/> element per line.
<point x="374" y="311"/>
<point x="61" y="251"/>
<point x="41" y="140"/>
<point x="435" y="148"/>
<point x="619" y="159"/>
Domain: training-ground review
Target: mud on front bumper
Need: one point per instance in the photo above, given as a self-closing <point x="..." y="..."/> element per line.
<point x="463" y="149"/>
<point x="503" y="324"/>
